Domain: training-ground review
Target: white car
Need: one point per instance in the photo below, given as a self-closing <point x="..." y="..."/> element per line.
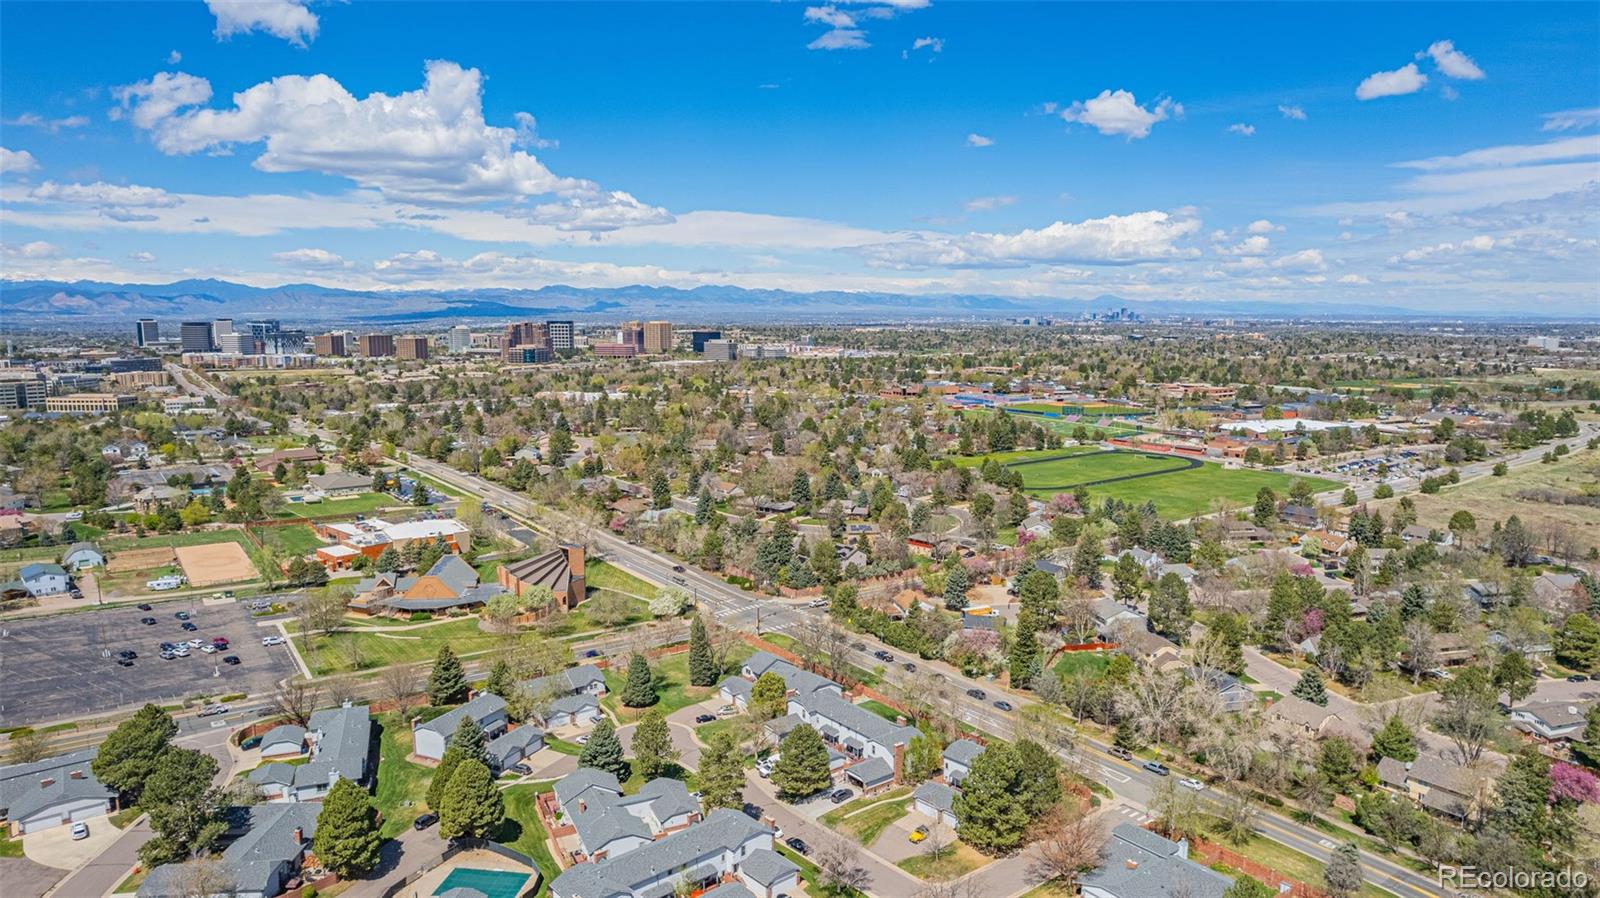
<point x="272" y="640"/>
<point x="182" y="651"/>
<point x="75" y="516"/>
<point x="1191" y="783"/>
<point x="817" y="603"/>
<point x="196" y="642"/>
<point x="209" y="649"/>
<point x="582" y="740"/>
<point x="80" y="831"/>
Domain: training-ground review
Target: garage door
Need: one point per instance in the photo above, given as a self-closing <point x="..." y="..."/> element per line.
<point x="88" y="813"/>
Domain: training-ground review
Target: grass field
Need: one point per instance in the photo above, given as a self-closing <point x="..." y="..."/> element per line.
<point x="958" y="861"/>
<point x="599" y="575"/>
<point x="365" y="503"/>
<point x="672" y="684"/>
<point x="297" y="540"/>
<point x="402" y="785"/>
<point x="523" y="832"/>
<point x="1005" y="458"/>
<point x="1091" y="410"/>
<point x="190" y="538"/>
<point x="340" y="652"/>
<point x="1292" y="864"/>
<point x="1491" y="499"/>
<point x="1178" y="487"/>
<point x="1082" y="664"/>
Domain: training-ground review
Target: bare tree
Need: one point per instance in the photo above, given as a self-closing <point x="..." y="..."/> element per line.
<point x="204" y="877"/>
<point x="339" y="689"/>
<point x="400" y="683"/>
<point x="28" y="746"/>
<point x="295" y="699"/>
<point x="838" y="868"/>
<point x="321" y="610"/>
<point x="1065" y="844"/>
<point x="1238" y="817"/>
<point x="1420" y="651"/>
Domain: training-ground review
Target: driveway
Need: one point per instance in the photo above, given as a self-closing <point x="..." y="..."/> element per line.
<point x="894" y="843"/>
<point x="682" y="740"/>
<point x="26" y="879"/>
<point x="400" y="857"/>
<point x="884" y="880"/>
<point x="54" y="847"/>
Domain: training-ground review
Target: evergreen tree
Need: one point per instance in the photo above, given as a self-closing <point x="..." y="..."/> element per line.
<point x="703" y="509"/>
<point x="1225" y="640"/>
<point x="721" y="774"/>
<point x="1311" y="687"/>
<point x="1026" y="656"/>
<point x="1395" y="740"/>
<point x="1247" y="886"/>
<point x="1514" y="677"/>
<point x="769" y="697"/>
<point x="660" y="490"/>
<point x="603" y="751"/>
<point x="702" y="665"/>
<point x="1127" y="579"/>
<point x="447" y="682"/>
<point x="652" y="746"/>
<point x="1342" y="877"/>
<point x="800" y="490"/>
<point x="640" y="690"/>
<point x="1578" y="643"/>
<point x="1587" y="750"/>
<point x="802" y="770"/>
<point x="1086" y="561"/>
<point x="184" y="808"/>
<point x="472" y="806"/>
<point x="128" y="755"/>
<point x="1039" y="594"/>
<point x="1413" y="602"/>
<point x="1171" y="612"/>
<point x="1038" y="779"/>
<point x="956" y="584"/>
<point x="347" y="838"/>
<point x="993" y="814"/>
<point x="501" y="681"/>
<point x="466" y="744"/>
<point x="1266" y="507"/>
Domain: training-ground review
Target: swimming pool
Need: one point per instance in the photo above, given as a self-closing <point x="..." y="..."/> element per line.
<point x="492" y="883"/>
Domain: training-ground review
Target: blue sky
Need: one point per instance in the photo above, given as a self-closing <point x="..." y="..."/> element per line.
<point x="1426" y="156"/>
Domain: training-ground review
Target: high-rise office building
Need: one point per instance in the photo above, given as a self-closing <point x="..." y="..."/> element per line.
<point x="658" y="336"/>
<point x="238" y="344"/>
<point x="195" y="336"/>
<point x="218" y="328"/>
<point x="330" y="344"/>
<point x="632" y="334"/>
<point x="531" y="334"/>
<point x="460" y="339"/>
<point x="561" y="334"/>
<point x="374" y="346"/>
<point x="411" y="349"/>
<point x="698" y="339"/>
<point x="22" y="388"/>
<point x="146" y="332"/>
<point x="720" y="350"/>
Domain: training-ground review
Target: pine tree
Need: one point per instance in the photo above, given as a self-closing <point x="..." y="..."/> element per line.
<point x="128" y="755"/>
<point x="347" y="838"/>
<point x="703" y="509"/>
<point x="800" y="490"/>
<point x="990" y="806"/>
<point x="1038" y="778"/>
<point x="1587" y="750"/>
<point x="1086" y="561"/>
<point x="1413" y="602"/>
<point x="769" y="697"/>
<point x="447" y="682"/>
<point x="702" y="666"/>
<point x="466" y="744"/>
<point x="640" y="690"/>
<point x="1395" y="740"/>
<point x="1246" y="886"/>
<point x="1127" y="579"/>
<point x="1026" y="656"/>
<point x="1171" y="612"/>
<point x="956" y="584"/>
<point x="652" y="746"/>
<point x="1266" y="507"/>
<point x="500" y="681"/>
<point x="1578" y="643"/>
<point x="1311" y="687"/>
<point x="722" y="774"/>
<point x="660" y="491"/>
<point x="603" y="751"/>
<point x="472" y="806"/>
<point x="802" y="770"/>
<point x="1342" y="877"/>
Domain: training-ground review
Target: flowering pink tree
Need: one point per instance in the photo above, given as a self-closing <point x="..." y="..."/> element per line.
<point x="1062" y="503"/>
<point x="1573" y="783"/>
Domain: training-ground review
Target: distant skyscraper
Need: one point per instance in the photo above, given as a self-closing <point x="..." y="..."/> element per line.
<point x="460" y="338"/>
<point x="238" y="344"/>
<point x="218" y="328"/>
<point x="658" y="336"/>
<point x="529" y="334"/>
<point x="720" y="350"/>
<point x="330" y="345"/>
<point x="146" y="332"/>
<point x="632" y="334"/>
<point x="195" y="336"/>
<point x="374" y="346"/>
<point x="561" y="334"/>
<point x="411" y="348"/>
<point x="698" y="339"/>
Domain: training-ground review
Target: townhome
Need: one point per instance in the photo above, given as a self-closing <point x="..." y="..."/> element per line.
<point x="958" y="758"/>
<point x="269" y="844"/>
<point x="724" y="849"/>
<point x="339" y="746"/>
<point x="1441" y="785"/>
<point x="568" y="698"/>
<point x="609" y="824"/>
<point x="433" y="737"/>
<point x="1140" y="864"/>
<point x="1551" y="721"/>
<point x="51" y="792"/>
<point x="937" y="802"/>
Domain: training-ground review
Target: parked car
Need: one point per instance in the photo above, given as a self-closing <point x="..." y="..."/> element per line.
<point x="727" y="711"/>
<point x="521" y="769"/>
<point x="840" y="796"/>
<point x="209" y="649"/>
<point x="797" y="845"/>
<point x="213" y="710"/>
<point x="182" y="615"/>
<point x="1190" y="782"/>
<point x="143" y="606"/>
<point x="705" y="718"/>
<point x="591" y="653"/>
<point x="1003" y="705"/>
<point x="196" y="642"/>
<point x="1577" y="678"/>
<point x="583" y="739"/>
<point x="424" y="821"/>
<point x="918" y="834"/>
<point x="220" y="642"/>
<point x="80" y="831"/>
<point x="272" y="640"/>
<point x="124" y="662"/>
<point x="167" y="654"/>
<point x="1157" y="768"/>
<point x="1117" y="751"/>
<point x="147" y="621"/>
<point x="230" y="659"/>
<point x="978" y="694"/>
<point x="190" y="627"/>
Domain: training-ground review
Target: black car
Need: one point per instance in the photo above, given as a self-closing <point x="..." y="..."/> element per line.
<point x="124" y="662"/>
<point x="130" y="654"/>
<point x="424" y="821"/>
<point x="978" y="694"/>
<point x="840" y="796"/>
<point x="705" y="718"/>
<point x="190" y="626"/>
<point x="882" y="655"/>
<point x="147" y="621"/>
<point x="1577" y="678"/>
<point x="910" y="668"/>
<point x="592" y="653"/>
<point x="230" y="659"/>
<point x="167" y="646"/>
<point x="182" y="615"/>
<point x="797" y="845"/>
<point x="1002" y="704"/>
<point x="678" y="568"/>
<point x="143" y="606"/>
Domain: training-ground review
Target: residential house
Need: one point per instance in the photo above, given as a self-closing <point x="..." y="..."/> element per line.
<point x="82" y="556"/>
<point x="339" y="746"/>
<point x="1416" y="533"/>
<point x="513" y="747"/>
<point x="1147" y="559"/>
<point x="1182" y="571"/>
<point x="725" y="848"/>
<point x="288" y="457"/>
<point x="125" y="451"/>
<point x="1232" y="695"/>
<point x="1111" y="616"/>
<point x="283" y="741"/>
<point x="1297" y="714"/>
<point x="1326" y="542"/>
<point x="560" y="569"/>
<point x="342" y="483"/>
<point x="487" y="710"/>
<point x="44" y="579"/>
<point x="449" y="585"/>
<point x="958" y="758"/>
<point x="1551" y="721"/>
<point x="1302" y="516"/>
<point x="1557" y="591"/>
<point x="1147" y="648"/>
<point x="1438" y="784"/>
<point x="936" y="801"/>
<point x="609" y="824"/>
<point x="572" y="696"/>
<point x="54" y="791"/>
<point x="269" y="844"/>
<point x="1140" y="864"/>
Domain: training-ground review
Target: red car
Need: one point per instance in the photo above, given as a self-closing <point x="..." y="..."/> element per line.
<point x="220" y="642"/>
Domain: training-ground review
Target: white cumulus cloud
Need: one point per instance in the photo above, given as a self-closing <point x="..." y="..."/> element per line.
<point x="842" y="33"/>
<point x="934" y="44"/>
<point x="311" y="259"/>
<point x="17" y="161"/>
<point x="1119" y="112"/>
<point x="1453" y="62"/>
<point x="978" y="140"/>
<point x="287" y="19"/>
<point x="1295" y="113"/>
<point x="1262" y="226"/>
<point x="1112" y="240"/>
<point x="1242" y="129"/>
<point x="1404" y="80"/>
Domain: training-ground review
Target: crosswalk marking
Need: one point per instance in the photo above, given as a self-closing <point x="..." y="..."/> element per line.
<point x="1133" y="813"/>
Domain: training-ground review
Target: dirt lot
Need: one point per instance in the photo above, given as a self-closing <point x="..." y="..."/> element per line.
<point x="214" y="564"/>
<point x="139" y="560"/>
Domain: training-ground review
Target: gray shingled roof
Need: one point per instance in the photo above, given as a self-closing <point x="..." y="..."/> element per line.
<point x="573" y="679"/>
<point x="767" y="867"/>
<point x="871" y="772"/>
<point x="267" y="843"/>
<point x="1140" y="864"/>
<point x="481" y="708"/>
<point x="723" y="829"/>
<point x="287" y="732"/>
<point x="799" y="681"/>
<point x="514" y="743"/>
<point x="963" y="751"/>
<point x="880" y="730"/>
<point x="21" y="794"/>
<point x="940" y="796"/>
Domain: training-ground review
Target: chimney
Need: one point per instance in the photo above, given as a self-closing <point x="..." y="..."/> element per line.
<point x="47" y="782"/>
<point x="899" y="762"/>
<point x="900" y="720"/>
<point x="583" y="806"/>
<point x="299" y="835"/>
<point x="76" y="774"/>
<point x="574" y="558"/>
<point x="1131" y="864"/>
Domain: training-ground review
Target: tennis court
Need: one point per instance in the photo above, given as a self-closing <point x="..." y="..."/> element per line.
<point x="492" y="883"/>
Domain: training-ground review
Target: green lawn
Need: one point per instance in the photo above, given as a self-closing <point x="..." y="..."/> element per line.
<point x="10" y="847"/>
<point x="1086" y="664"/>
<point x="523" y="832"/>
<point x="598" y="575"/>
<point x="868" y="825"/>
<point x="959" y="860"/>
<point x="189" y="538"/>
<point x="132" y="883"/>
<point x="333" y="654"/>
<point x="402" y="785"/>
<point x="364" y="503"/>
<point x="880" y="709"/>
<point x="1288" y="862"/>
<point x="672" y="684"/>
<point x="860" y="804"/>
<point x="297" y="540"/>
<point x="1006" y="458"/>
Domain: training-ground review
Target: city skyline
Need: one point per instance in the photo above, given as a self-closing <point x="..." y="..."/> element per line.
<point x="1431" y="158"/>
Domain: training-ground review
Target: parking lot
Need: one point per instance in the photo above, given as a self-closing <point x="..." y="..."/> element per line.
<point x="66" y="666"/>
